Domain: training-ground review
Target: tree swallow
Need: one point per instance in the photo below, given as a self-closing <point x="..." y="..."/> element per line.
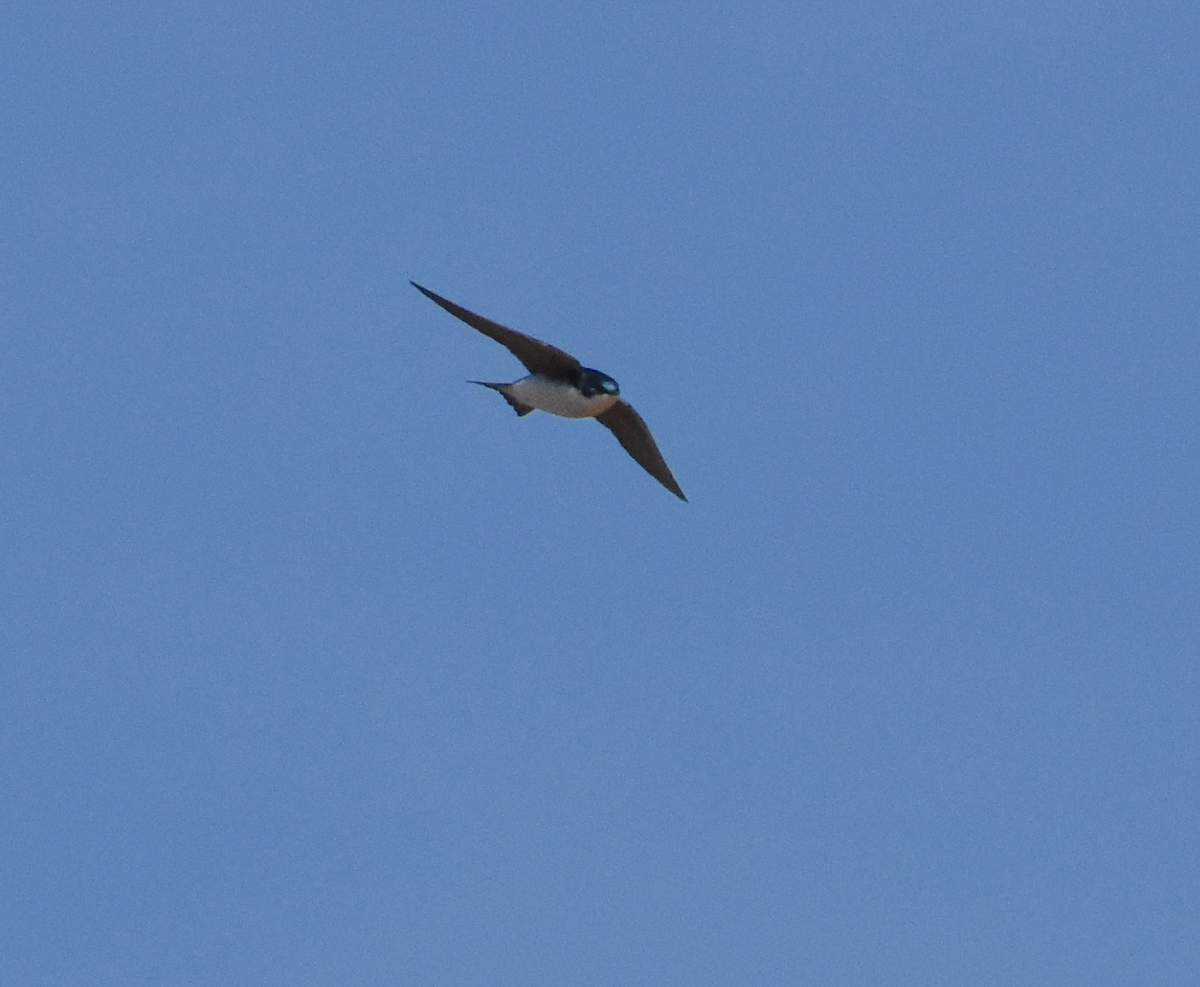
<point x="557" y="383"/>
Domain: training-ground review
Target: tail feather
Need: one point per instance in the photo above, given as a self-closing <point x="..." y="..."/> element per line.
<point x="517" y="406"/>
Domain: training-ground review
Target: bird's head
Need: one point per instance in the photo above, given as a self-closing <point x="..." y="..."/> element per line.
<point x="593" y="382"/>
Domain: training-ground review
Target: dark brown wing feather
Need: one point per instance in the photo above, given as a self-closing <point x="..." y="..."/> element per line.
<point x="538" y="357"/>
<point x="627" y="425"/>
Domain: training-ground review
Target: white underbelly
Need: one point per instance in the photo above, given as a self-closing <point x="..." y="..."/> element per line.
<point x="558" y="398"/>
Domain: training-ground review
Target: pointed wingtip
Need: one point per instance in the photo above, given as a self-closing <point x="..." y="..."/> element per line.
<point x="432" y="296"/>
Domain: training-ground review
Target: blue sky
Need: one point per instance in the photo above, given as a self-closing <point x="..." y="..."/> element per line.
<point x="319" y="666"/>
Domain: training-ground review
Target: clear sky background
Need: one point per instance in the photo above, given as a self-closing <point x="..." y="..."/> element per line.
<point x="319" y="666"/>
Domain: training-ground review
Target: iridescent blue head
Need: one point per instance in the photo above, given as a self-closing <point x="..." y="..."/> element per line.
<point x="592" y="383"/>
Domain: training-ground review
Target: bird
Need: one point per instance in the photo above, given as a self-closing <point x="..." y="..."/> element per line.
<point x="557" y="383"/>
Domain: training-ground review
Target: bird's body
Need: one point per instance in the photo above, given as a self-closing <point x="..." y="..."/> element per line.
<point x="558" y="384"/>
<point x="553" y="396"/>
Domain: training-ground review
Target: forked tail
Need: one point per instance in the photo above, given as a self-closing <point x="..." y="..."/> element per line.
<point x="501" y="389"/>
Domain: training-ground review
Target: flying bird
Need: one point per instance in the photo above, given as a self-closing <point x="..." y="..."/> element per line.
<point x="557" y="383"/>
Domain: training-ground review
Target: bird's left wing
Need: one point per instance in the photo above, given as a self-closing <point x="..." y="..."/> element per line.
<point x="627" y="425"/>
<point x="538" y="357"/>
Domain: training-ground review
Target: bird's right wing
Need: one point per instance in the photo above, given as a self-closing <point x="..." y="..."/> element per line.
<point x="538" y="357"/>
<point x="627" y="425"/>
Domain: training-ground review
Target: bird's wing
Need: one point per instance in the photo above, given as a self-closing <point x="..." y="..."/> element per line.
<point x="538" y="357"/>
<point x="627" y="425"/>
